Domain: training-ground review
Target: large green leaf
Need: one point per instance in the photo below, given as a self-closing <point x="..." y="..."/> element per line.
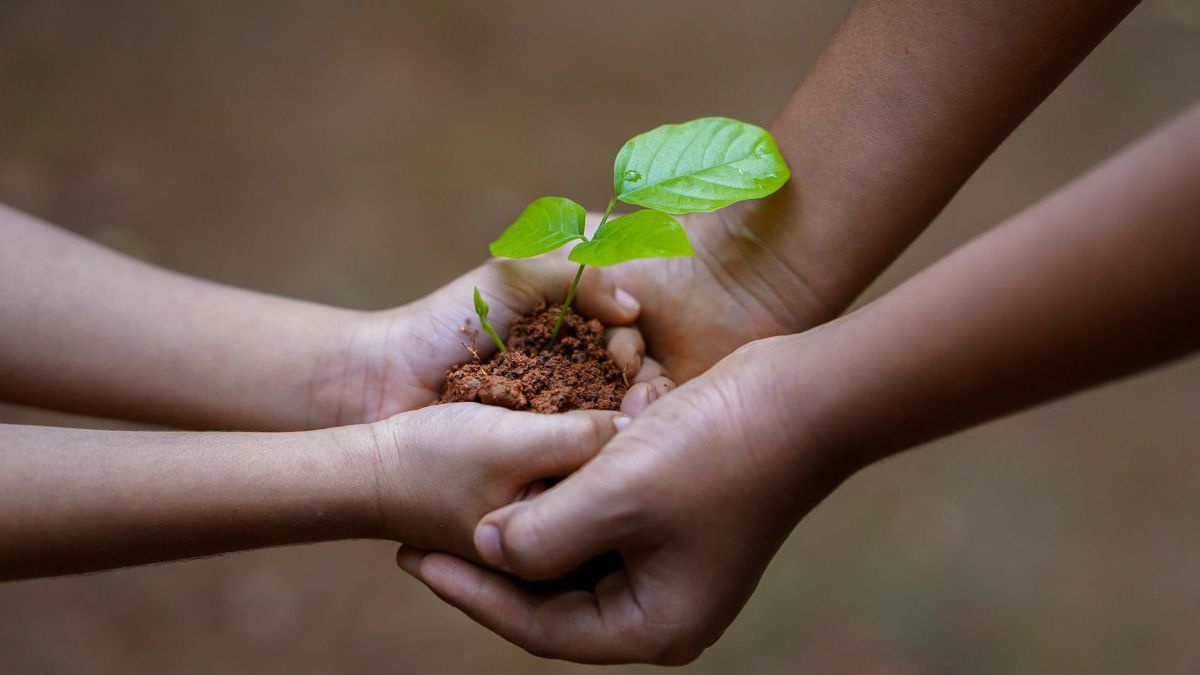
<point x="543" y="226"/>
<point x="641" y="234"/>
<point x="700" y="165"/>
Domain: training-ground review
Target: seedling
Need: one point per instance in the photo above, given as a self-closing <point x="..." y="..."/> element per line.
<point x="697" y="166"/>
<point x="482" y="309"/>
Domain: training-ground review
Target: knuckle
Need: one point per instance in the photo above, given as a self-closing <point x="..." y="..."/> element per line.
<point x="591" y="431"/>
<point x="524" y="540"/>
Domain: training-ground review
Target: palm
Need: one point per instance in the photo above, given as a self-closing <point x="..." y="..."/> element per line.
<point x="395" y="360"/>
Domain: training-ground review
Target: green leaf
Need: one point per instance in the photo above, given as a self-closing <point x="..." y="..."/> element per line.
<point x="700" y="165"/>
<point x="543" y="226"/>
<point x="641" y="234"/>
<point x="481" y="307"/>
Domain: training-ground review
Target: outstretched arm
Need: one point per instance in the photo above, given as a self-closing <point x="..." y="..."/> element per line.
<point x="76" y="500"/>
<point x="88" y="330"/>
<point x="904" y="103"/>
<point x="1098" y="281"/>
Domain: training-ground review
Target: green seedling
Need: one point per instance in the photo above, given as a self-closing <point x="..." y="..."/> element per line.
<point x="482" y="309"/>
<point x="697" y="166"/>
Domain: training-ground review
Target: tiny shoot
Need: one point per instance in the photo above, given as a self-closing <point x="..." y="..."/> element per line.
<point x="482" y="309"/>
<point x="697" y="166"/>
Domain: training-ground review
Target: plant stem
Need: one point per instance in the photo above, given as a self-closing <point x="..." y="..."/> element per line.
<point x="562" y="313"/>
<point x="487" y="327"/>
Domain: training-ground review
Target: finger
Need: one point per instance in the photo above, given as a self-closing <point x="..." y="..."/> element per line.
<point x="576" y="625"/>
<point x="650" y="369"/>
<point x="599" y="298"/>
<point x="545" y="538"/>
<point x="409" y="559"/>
<point x="627" y="348"/>
<point x="534" y="489"/>
<point x="552" y="446"/>
<point x="642" y="394"/>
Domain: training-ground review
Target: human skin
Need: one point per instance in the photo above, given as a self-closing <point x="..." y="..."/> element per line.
<point x="901" y="107"/>
<point x="75" y="500"/>
<point x="89" y="330"/>
<point x="1094" y="283"/>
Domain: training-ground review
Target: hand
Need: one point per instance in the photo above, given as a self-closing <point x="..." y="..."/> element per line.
<point x="440" y="469"/>
<point x="696" y="495"/>
<point x="738" y="288"/>
<point x="392" y="361"/>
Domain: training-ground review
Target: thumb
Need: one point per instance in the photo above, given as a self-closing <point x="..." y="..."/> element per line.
<point x="599" y="298"/>
<point x="546" y="537"/>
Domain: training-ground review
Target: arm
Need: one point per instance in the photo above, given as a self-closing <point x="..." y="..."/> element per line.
<point x="88" y="330"/>
<point x="1094" y="283"/>
<point x="904" y="103"/>
<point x="92" y="331"/>
<point x="78" y="500"/>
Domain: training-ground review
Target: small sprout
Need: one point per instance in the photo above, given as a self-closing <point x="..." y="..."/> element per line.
<point x="697" y="166"/>
<point x="482" y="309"/>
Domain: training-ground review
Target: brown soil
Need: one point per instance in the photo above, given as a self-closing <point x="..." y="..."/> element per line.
<point x="578" y="373"/>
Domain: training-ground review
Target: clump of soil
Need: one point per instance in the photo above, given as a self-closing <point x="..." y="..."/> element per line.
<point x="577" y="373"/>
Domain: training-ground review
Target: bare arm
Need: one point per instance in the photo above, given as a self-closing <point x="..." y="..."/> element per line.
<point x="89" y="330"/>
<point x="80" y="500"/>
<point x="908" y="99"/>
<point x="904" y="103"/>
<point x="1098" y="281"/>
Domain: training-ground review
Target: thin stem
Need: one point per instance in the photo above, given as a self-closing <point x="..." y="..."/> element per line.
<point x="562" y="313"/>
<point x="487" y="327"/>
<point x="607" y="212"/>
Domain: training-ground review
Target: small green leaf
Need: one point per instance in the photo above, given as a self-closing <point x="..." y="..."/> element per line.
<point x="641" y="234"/>
<point x="481" y="307"/>
<point x="700" y="165"/>
<point x="543" y="226"/>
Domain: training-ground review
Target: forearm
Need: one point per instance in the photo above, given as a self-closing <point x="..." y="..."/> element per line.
<point x="1098" y="281"/>
<point x="905" y="102"/>
<point x="88" y="330"/>
<point x="78" y="500"/>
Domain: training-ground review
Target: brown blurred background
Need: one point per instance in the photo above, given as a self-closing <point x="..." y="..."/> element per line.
<point x="363" y="155"/>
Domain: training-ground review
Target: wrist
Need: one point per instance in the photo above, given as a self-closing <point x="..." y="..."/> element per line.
<point x="362" y="459"/>
<point x="340" y="387"/>
<point x="267" y="360"/>
<point x="748" y="250"/>
<point x="785" y="385"/>
<point x="841" y="411"/>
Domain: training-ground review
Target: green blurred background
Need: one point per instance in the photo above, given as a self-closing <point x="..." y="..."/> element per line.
<point x="363" y="154"/>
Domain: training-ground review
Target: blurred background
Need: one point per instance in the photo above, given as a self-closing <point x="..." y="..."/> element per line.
<point x="364" y="154"/>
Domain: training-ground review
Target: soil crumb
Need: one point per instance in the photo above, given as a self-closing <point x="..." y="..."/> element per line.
<point x="578" y="373"/>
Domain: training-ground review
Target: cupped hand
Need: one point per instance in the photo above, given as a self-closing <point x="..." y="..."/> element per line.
<point x="696" y="495"/>
<point x="438" y="470"/>
<point x="392" y="361"/>
<point x="739" y="287"/>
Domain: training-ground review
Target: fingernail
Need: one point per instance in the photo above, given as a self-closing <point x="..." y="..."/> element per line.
<point x="621" y="421"/>
<point x="627" y="301"/>
<point x="487" y="543"/>
<point x="652" y="395"/>
<point x="410" y="561"/>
